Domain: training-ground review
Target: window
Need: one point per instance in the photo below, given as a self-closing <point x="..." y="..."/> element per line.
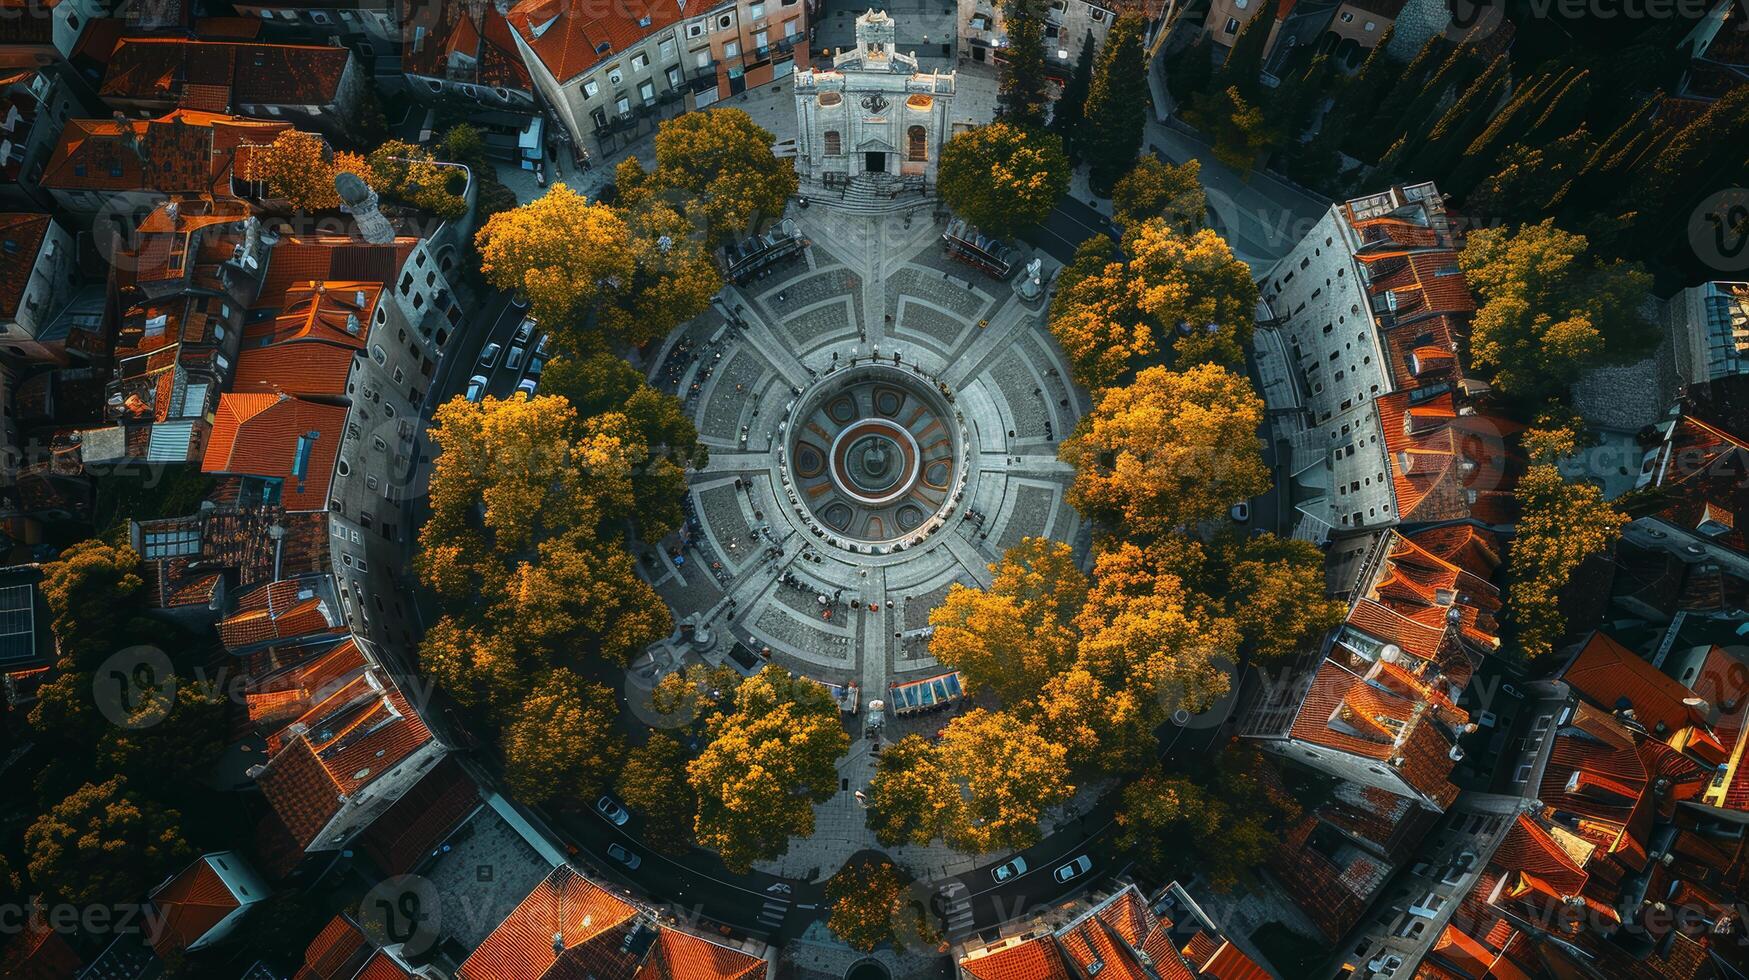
<point x="673" y="76"/>
<point x="724" y="22"/>
<point x="1232" y="26"/>
<point x="917" y="144"/>
<point x="834" y="143"/>
<point x="1370" y="27"/>
<point x="789" y="27"/>
<point x="704" y="59"/>
<point x="665" y="50"/>
<point x="647" y="90"/>
<point x="622" y="106"/>
<point x="640" y="61"/>
<point x="1348" y="17"/>
<point x="761" y="40"/>
<point x="756" y="11"/>
<point x="591" y="89"/>
<point x="731" y="49"/>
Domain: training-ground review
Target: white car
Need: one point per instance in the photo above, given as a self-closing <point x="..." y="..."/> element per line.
<point x="1074" y="869"/>
<point x="610" y="809"/>
<point x="1008" y="872"/>
<point x="489" y="354"/>
<point x="526" y="386"/>
<point x="624" y="856"/>
<point x="540" y="346"/>
<point x="476" y="387"/>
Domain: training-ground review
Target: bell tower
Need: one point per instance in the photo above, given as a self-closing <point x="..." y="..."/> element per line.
<point x="875" y="36"/>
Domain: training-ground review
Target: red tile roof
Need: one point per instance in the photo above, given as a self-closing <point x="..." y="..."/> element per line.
<point x="463" y="40"/>
<point x="343" y="742"/>
<point x="307" y="350"/>
<point x="290" y="609"/>
<point x="1612" y="676"/>
<point x="184" y="152"/>
<point x="341" y="951"/>
<point x="591" y="924"/>
<point x="219" y="76"/>
<point x="1447" y="465"/>
<point x="22" y="236"/>
<point x="570" y="39"/>
<point x="418" y="822"/>
<point x="37" y="952"/>
<point x="192" y="904"/>
<point x="278" y="436"/>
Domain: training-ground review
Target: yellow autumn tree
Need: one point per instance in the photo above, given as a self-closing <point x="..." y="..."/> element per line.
<point x="562" y="746"/>
<point x="1561" y="523"/>
<point x="719" y="166"/>
<point x="769" y="761"/>
<point x="299" y="168"/>
<point x="1012" y="636"/>
<point x="1170" y="450"/>
<point x="1007" y="775"/>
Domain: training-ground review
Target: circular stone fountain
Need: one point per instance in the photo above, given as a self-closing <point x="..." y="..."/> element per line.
<point x="873" y="454"/>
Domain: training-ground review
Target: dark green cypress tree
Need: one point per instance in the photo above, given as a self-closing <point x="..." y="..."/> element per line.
<point x="1459" y="126"/>
<point x="1702" y="157"/>
<point x="1023" y="87"/>
<point x="1510" y="126"/>
<point x="1415" y="124"/>
<point x="1190" y="70"/>
<point x="1117" y="104"/>
<point x="1358" y="99"/>
<point x="1378" y="134"/>
<point x="1070" y="114"/>
<point x="1243" y="68"/>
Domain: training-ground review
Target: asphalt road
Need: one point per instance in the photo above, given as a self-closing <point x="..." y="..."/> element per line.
<point x="1068" y="225"/>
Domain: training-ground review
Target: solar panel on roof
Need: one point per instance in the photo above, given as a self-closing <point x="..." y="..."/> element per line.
<point x="17" y="624"/>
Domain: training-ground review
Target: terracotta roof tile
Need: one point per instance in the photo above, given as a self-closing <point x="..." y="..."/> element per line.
<point x="184" y="152"/>
<point x="192" y="903"/>
<point x="571" y="39"/>
<point x="278" y="437"/>
<point x="22" y="235"/>
<point x="198" y="74"/>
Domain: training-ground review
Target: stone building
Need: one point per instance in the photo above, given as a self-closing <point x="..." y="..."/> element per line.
<point x="873" y="112"/>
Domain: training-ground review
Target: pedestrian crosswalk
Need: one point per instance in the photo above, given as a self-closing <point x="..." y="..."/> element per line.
<point x="772" y="914"/>
<point x="956" y="909"/>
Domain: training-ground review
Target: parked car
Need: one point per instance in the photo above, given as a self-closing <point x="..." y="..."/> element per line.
<point x="609" y="808"/>
<point x="526" y="386"/>
<point x="476" y="387"/>
<point x="519" y="300"/>
<point x="489" y="354"/>
<point x="540" y="346"/>
<point x="536" y="365"/>
<point x="1075" y="868"/>
<point x="1241" y="512"/>
<point x="1007" y="872"/>
<point x="525" y="330"/>
<point x="514" y="361"/>
<point x="624" y="856"/>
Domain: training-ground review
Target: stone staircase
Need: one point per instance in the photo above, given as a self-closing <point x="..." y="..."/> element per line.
<point x="875" y="194"/>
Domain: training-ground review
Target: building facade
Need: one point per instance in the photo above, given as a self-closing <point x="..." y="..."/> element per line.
<point x="873" y="112"/>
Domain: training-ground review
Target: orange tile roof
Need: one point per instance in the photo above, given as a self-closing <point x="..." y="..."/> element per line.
<point x="570" y="39"/>
<point x="224" y="74"/>
<point x="282" y="610"/>
<point x="348" y="738"/>
<point x="1036" y="959"/>
<point x="280" y="437"/>
<point x="341" y="951"/>
<point x="23" y="236"/>
<point x="37" y="952"/>
<point x="192" y="903"/>
<point x="1445" y="465"/>
<point x="1612" y="676"/>
<point x="307" y="350"/>
<point x="184" y="152"/>
<point x="464" y="40"/>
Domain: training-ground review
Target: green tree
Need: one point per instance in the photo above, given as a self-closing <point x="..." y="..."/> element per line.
<point x="1170" y="450"/>
<point x="1532" y="180"/>
<point x="1461" y="123"/>
<point x="603" y="383"/>
<point x="403" y="171"/>
<point x="1221" y="829"/>
<point x="562" y="745"/>
<point x="1275" y="593"/>
<point x="177" y="751"/>
<point x="1190" y="70"/>
<point x="1242" y="131"/>
<point x="1549" y="310"/>
<point x="653" y="782"/>
<point x="1069" y="115"/>
<point x="103" y="844"/>
<point x="1157" y="189"/>
<point x="1023" y="91"/>
<point x="1560" y="525"/>
<point x="723" y="163"/>
<point x="1243" y="68"/>
<point x="1117" y="104"/>
<point x="1002" y="178"/>
<point x="768" y="763"/>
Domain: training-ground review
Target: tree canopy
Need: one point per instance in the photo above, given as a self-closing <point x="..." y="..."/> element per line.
<point x="562" y="745"/>
<point x="600" y="277"/>
<point x="718" y="165"/>
<point x="1117" y="103"/>
<point x="1156" y="189"/>
<point x="1561" y="523"/>
<point x="1001" y="177"/>
<point x="1170" y="450"/>
<point x="104" y="843"/>
<point x="1549" y="310"/>
<point x="300" y="168"/>
<point x="768" y="762"/>
<point x="1023" y="90"/>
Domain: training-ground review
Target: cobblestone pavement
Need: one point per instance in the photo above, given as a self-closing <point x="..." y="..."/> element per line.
<point x="756" y="569"/>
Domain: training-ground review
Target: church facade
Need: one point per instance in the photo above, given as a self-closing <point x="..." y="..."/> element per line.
<point x="872" y="112"/>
